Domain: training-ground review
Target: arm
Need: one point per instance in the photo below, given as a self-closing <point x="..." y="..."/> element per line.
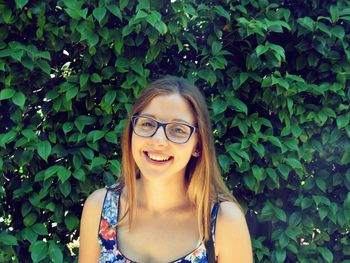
<point x="89" y="248"/>
<point x="232" y="237"/>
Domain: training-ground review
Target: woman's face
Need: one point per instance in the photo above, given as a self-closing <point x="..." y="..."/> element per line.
<point x="156" y="156"/>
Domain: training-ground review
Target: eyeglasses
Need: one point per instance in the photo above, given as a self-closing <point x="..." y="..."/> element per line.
<point x="174" y="131"/>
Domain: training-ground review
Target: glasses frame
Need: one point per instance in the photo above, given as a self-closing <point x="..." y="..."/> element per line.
<point x="162" y="124"/>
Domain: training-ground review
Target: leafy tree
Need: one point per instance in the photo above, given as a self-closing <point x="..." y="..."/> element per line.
<point x="276" y="78"/>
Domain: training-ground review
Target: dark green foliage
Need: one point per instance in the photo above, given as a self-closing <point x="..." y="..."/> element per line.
<point x="276" y="77"/>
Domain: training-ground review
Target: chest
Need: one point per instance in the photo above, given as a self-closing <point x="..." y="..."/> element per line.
<point x="160" y="238"/>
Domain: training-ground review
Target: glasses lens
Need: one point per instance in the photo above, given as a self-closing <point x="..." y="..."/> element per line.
<point x="144" y="126"/>
<point x="178" y="133"/>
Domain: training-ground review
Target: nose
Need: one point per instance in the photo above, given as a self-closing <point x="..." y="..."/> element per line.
<point x="160" y="136"/>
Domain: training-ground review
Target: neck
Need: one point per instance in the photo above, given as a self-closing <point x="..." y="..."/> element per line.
<point x="159" y="196"/>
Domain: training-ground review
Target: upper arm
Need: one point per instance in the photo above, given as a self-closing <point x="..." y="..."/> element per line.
<point x="89" y="248"/>
<point x="232" y="239"/>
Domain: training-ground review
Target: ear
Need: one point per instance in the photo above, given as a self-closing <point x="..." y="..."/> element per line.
<point x="196" y="152"/>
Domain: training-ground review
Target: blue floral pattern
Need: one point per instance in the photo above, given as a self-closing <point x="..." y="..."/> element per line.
<point x="107" y="234"/>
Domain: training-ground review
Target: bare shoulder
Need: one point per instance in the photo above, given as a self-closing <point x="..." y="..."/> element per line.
<point x="89" y="248"/>
<point x="95" y="200"/>
<point x="230" y="212"/>
<point x="232" y="237"/>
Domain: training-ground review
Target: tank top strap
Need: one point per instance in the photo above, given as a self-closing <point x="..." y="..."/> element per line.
<point x="107" y="235"/>
<point x="214" y="214"/>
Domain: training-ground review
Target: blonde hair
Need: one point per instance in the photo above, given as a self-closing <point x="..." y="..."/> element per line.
<point x="203" y="177"/>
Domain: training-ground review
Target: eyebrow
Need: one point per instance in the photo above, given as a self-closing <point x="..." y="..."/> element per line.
<point x="154" y="117"/>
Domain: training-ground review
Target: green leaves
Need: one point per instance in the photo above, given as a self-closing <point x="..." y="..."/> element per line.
<point x="40" y="229"/>
<point x="222" y="12"/>
<point x="62" y="172"/>
<point x="7" y="93"/>
<point x="99" y="13"/>
<point x="219" y="106"/>
<point x="44" y="149"/>
<point x="71" y="222"/>
<point x="114" y="10"/>
<point x="7" y="239"/>
<point x="342" y="121"/>
<point x="258" y="173"/>
<point x="19" y="99"/>
<point x="55" y="252"/>
<point x="326" y="254"/>
<point x="21" y="3"/>
<point x="275" y="78"/>
<point x="238" y="105"/>
<point x="334" y="13"/>
<point x="38" y="250"/>
<point x="307" y="23"/>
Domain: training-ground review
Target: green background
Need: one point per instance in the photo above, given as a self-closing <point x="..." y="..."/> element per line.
<point x="276" y="78"/>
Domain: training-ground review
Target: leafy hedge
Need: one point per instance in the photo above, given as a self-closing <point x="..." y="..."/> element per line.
<point x="276" y="76"/>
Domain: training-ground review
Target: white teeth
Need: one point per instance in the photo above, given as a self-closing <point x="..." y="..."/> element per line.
<point x="158" y="157"/>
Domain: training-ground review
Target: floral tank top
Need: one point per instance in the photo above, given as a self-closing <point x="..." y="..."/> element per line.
<point x="107" y="234"/>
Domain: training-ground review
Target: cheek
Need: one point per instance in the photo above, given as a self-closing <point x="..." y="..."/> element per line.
<point x="134" y="146"/>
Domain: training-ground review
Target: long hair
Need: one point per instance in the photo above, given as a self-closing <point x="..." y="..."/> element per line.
<point x="205" y="185"/>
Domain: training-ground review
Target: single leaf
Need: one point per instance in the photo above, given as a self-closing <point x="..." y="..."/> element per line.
<point x="21" y="3"/>
<point x="83" y="79"/>
<point x="259" y="173"/>
<point x="44" y="66"/>
<point x="79" y="174"/>
<point x="219" y="106"/>
<point x="216" y="47"/>
<point x="99" y="13"/>
<point x="294" y="163"/>
<point x="345" y="160"/>
<point x="87" y="153"/>
<point x="7" y="93"/>
<point x="334" y="13"/>
<point x="38" y="251"/>
<point x="249" y="181"/>
<point x="19" y="99"/>
<point x="63" y="174"/>
<point x="65" y="188"/>
<point x="71" y="222"/>
<point x="40" y="229"/>
<point x="161" y="27"/>
<point x="55" y="252"/>
<point x="71" y="93"/>
<point x="95" y="78"/>
<point x="281" y="215"/>
<point x="222" y="12"/>
<point x="97" y="161"/>
<point x="339" y="32"/>
<point x="261" y="50"/>
<point x="238" y="105"/>
<point x="44" y="149"/>
<point x="342" y="121"/>
<point x="115" y="11"/>
<point x="7" y="239"/>
<point x="326" y="254"/>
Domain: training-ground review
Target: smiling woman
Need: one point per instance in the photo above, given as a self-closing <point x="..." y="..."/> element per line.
<point x="170" y="203"/>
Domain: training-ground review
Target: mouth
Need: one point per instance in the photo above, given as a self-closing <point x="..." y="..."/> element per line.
<point x="159" y="158"/>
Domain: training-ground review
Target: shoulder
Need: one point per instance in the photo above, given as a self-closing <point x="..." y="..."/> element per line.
<point x="230" y="212"/>
<point x="95" y="200"/>
<point x="89" y="248"/>
<point x="232" y="237"/>
<point x="93" y="207"/>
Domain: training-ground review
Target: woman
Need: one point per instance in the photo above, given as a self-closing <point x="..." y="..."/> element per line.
<point x="170" y="203"/>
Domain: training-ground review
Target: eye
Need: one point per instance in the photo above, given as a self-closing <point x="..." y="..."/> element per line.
<point x="147" y="124"/>
<point x="179" y="130"/>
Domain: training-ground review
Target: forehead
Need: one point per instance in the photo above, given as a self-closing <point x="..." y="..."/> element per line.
<point x="169" y="108"/>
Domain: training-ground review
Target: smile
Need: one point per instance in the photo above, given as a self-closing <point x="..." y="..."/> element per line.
<point x="158" y="157"/>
